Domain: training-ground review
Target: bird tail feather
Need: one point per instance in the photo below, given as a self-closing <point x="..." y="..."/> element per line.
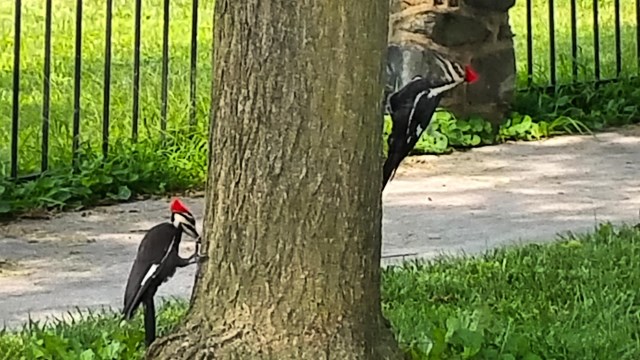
<point x="390" y="167"/>
<point x="149" y="321"/>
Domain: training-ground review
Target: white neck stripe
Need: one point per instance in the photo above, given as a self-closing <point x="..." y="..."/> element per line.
<point x="439" y="90"/>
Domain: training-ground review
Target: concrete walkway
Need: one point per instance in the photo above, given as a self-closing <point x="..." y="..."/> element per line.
<point x="467" y="202"/>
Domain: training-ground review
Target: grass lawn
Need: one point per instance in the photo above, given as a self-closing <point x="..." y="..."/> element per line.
<point x="574" y="299"/>
<point x="585" y="36"/>
<point x="93" y="48"/>
<point x="93" y="44"/>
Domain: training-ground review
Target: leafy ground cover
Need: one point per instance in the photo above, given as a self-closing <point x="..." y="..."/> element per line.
<point x="576" y="298"/>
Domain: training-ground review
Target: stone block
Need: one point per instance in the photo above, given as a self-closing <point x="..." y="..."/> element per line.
<point x="456" y="30"/>
<point x="492" y="5"/>
<point x="403" y="63"/>
<point x="505" y="33"/>
<point x="497" y="78"/>
<point x="448" y="29"/>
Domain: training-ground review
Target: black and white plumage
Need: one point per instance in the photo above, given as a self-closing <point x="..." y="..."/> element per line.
<point x="156" y="261"/>
<point x="412" y="107"/>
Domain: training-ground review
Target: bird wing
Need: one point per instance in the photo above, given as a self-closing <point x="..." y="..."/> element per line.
<point x="144" y="272"/>
<point x="149" y="276"/>
<point x="412" y="109"/>
<point x="398" y="98"/>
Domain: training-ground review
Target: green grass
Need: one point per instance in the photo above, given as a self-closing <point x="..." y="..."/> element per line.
<point x="86" y="335"/>
<point x="585" y="37"/>
<point x="577" y="298"/>
<point x="93" y="47"/>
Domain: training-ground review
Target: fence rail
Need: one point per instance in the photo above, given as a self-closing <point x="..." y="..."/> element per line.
<point x="557" y="42"/>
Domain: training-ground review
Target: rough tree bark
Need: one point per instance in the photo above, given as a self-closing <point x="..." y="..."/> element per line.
<point x="293" y="207"/>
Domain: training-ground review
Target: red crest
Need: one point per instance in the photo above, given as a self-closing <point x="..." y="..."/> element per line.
<point x="178" y="207"/>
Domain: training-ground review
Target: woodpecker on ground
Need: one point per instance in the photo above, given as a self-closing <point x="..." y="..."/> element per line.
<point x="156" y="261"/>
<point x="412" y="107"/>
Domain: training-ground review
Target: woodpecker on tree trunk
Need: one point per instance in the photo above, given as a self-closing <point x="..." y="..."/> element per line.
<point x="412" y="107"/>
<point x="156" y="261"/>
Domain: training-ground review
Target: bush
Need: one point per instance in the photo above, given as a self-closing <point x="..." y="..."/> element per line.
<point x="133" y="170"/>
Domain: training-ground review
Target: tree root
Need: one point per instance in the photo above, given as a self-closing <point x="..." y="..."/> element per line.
<point x="192" y="342"/>
<point x="198" y="342"/>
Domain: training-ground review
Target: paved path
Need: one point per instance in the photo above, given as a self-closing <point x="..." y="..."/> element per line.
<point x="468" y="201"/>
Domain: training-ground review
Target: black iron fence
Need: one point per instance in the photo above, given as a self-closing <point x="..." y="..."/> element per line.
<point x="80" y="11"/>
<point x="562" y="41"/>
<point x="576" y="41"/>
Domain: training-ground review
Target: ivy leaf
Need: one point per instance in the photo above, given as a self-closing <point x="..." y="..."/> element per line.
<point x="123" y="193"/>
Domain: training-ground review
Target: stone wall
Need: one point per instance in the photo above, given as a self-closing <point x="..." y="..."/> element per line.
<point x="475" y="32"/>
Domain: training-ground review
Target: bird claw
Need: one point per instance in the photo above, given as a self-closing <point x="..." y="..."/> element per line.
<point x="200" y="255"/>
<point x="196" y="258"/>
<point x="193" y="259"/>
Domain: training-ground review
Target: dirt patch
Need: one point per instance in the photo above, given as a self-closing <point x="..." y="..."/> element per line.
<point x="465" y="202"/>
<point x="10" y="267"/>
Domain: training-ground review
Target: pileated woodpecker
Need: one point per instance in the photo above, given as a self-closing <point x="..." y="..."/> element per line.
<point x="412" y="107"/>
<point x="156" y="261"/>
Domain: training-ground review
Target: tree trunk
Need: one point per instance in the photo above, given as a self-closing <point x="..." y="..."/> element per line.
<point x="293" y="206"/>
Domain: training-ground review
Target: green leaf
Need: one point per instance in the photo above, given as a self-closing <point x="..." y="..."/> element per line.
<point x="37" y="352"/>
<point x="463" y="125"/>
<point x="87" y="355"/>
<point x="123" y="193"/>
<point x="5" y="207"/>
<point x="563" y="100"/>
<point x="438" y="336"/>
<point x="111" y="351"/>
<point x="470" y="340"/>
<point x="475" y="140"/>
